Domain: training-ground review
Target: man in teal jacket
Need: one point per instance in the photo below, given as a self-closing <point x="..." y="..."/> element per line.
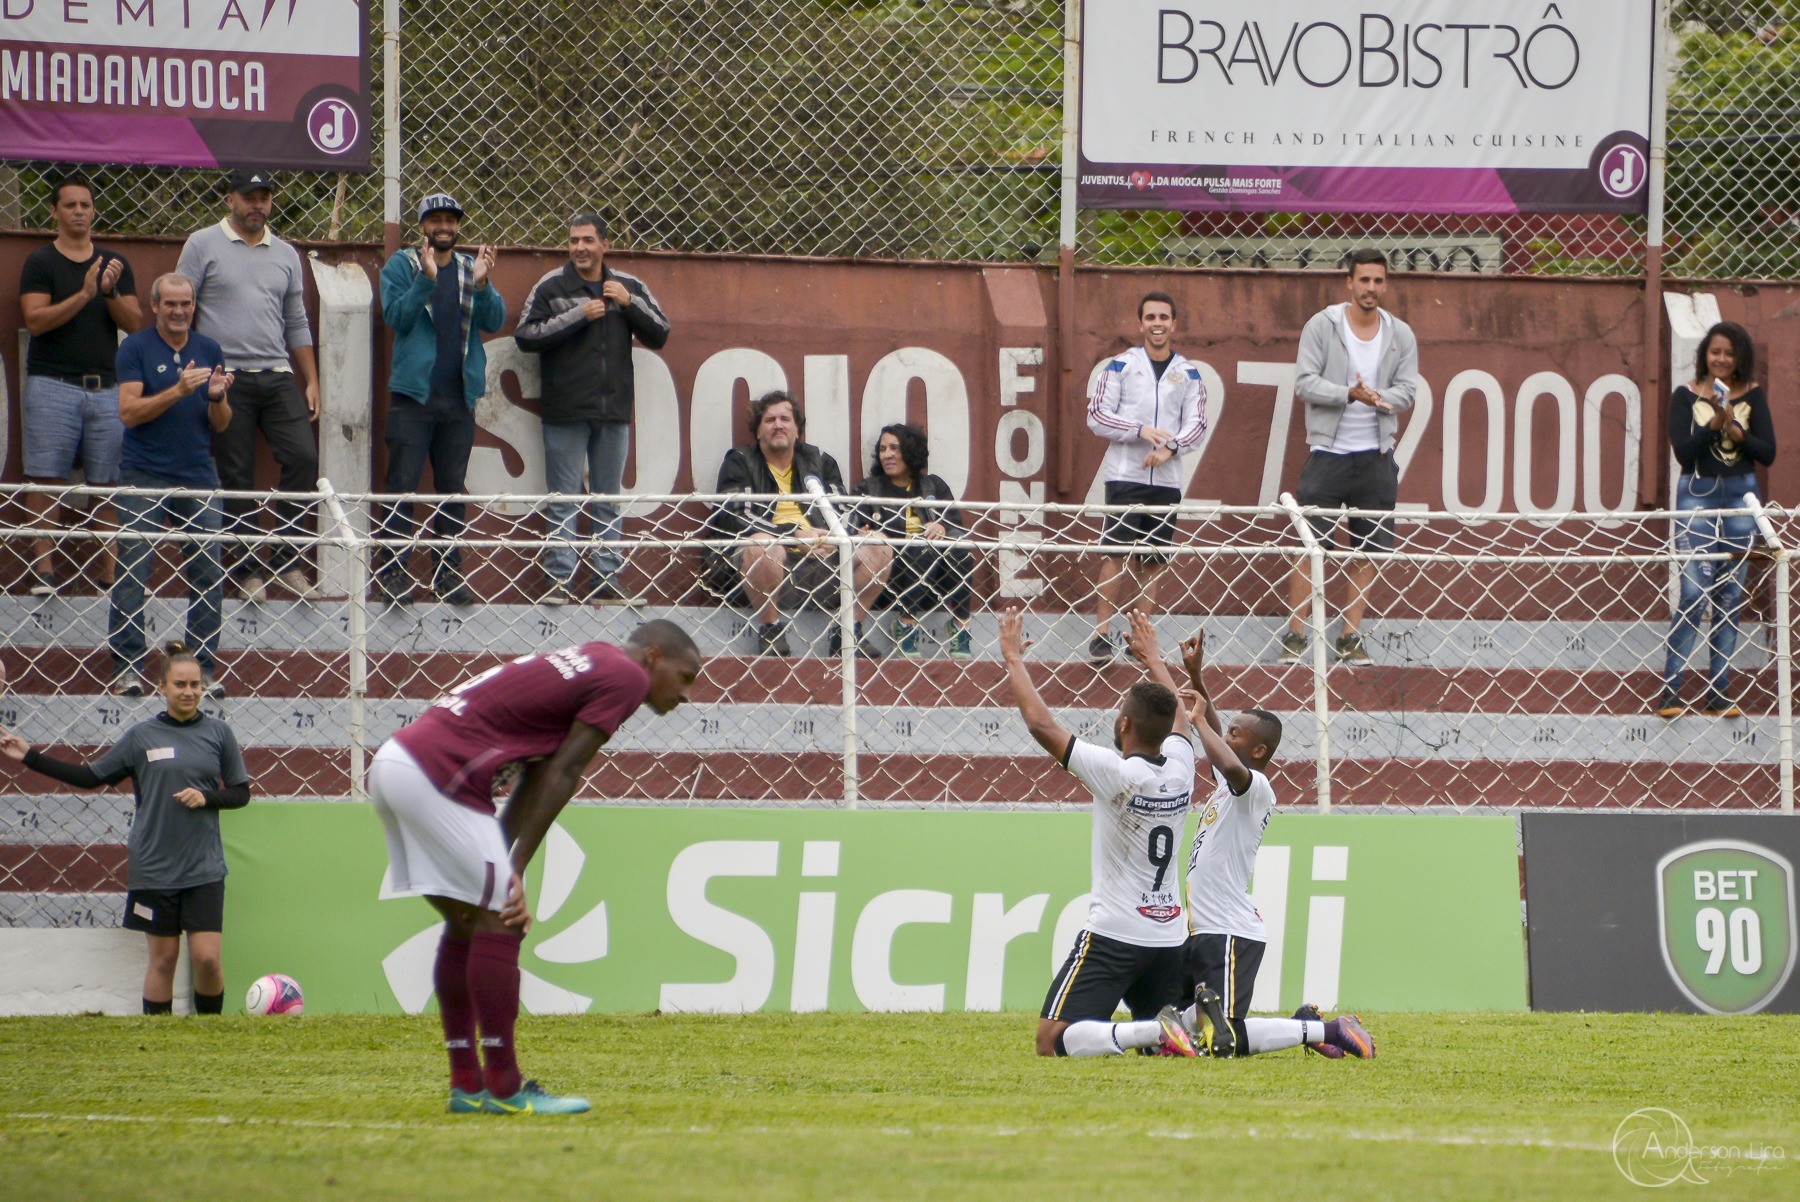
<point x="437" y="302"/>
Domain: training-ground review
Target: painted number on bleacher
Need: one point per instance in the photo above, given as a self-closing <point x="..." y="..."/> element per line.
<point x="450" y="623"/>
<point x="1484" y="642"/>
<point x="709" y="726"/>
<point x="149" y="623"/>
<point x="9" y="717"/>
<point x="1637" y="734"/>
<point x="305" y="720"/>
<point x="1543" y="734"/>
<point x="111" y="715"/>
<point x="803" y="726"/>
<point x="1744" y="735"/>
<point x="990" y="727"/>
<point x="43" y="619"/>
<point x="546" y="627"/>
<point x="246" y="623"/>
<point x="903" y="727"/>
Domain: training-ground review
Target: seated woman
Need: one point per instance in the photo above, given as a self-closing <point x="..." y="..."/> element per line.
<point x="927" y="573"/>
<point x="1719" y="428"/>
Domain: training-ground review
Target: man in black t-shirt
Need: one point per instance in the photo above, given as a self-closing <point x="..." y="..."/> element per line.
<point x="76" y="299"/>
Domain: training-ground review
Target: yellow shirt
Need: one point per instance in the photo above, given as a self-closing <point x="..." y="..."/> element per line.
<point x="914" y="527"/>
<point x="788" y="513"/>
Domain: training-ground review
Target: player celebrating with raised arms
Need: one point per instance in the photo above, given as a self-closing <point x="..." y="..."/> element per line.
<point x="1142" y="786"/>
<point x="185" y="766"/>
<point x="1227" y="937"/>
<point x="432" y="784"/>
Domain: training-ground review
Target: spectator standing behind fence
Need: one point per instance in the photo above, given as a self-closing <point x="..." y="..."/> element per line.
<point x="1150" y="405"/>
<point x="76" y="299"/>
<point x="580" y="320"/>
<point x="1720" y="429"/>
<point x="437" y="302"/>
<point x="1356" y="371"/>
<point x="173" y="397"/>
<point x="928" y="573"/>
<point x="249" y="296"/>
<point x="185" y="766"/>
<point x="779" y="461"/>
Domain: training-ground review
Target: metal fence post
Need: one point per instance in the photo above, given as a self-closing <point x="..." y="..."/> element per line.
<point x="356" y="632"/>
<point x="1784" y="654"/>
<point x="1315" y="557"/>
<point x="846" y="552"/>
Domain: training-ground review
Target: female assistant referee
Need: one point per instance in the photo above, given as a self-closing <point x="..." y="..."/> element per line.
<point x="185" y="767"/>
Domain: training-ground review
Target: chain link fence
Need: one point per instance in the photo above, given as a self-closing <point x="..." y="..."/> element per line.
<point x="918" y="129"/>
<point x="1517" y="662"/>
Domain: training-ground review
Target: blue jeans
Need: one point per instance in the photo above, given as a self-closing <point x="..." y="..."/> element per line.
<point x="571" y="449"/>
<point x="200" y="566"/>
<point x="1718" y="583"/>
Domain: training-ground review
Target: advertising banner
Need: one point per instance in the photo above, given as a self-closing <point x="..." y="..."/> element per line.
<point x="738" y="910"/>
<point x="1662" y="912"/>
<point x="1388" y="106"/>
<point x="186" y="83"/>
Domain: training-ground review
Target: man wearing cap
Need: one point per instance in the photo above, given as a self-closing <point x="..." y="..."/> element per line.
<point x="580" y="319"/>
<point x="249" y="296"/>
<point x="437" y="302"/>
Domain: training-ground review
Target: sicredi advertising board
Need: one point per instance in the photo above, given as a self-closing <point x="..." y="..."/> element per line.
<point x="1392" y="106"/>
<point x="727" y="910"/>
<point x="1662" y="912"/>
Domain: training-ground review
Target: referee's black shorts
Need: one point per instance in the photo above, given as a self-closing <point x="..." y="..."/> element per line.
<point x="1228" y="964"/>
<point x="1100" y="972"/>
<point x="168" y="912"/>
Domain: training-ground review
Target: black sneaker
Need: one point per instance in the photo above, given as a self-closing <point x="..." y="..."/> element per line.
<point x="388" y="590"/>
<point x="1350" y="651"/>
<point x="834" y="646"/>
<point x="1293" y="648"/>
<point x="1101" y="648"/>
<point x="210" y="688"/>
<point x="608" y="592"/>
<point x="1216" y="1037"/>
<point x="771" y="639"/>
<point x="127" y="683"/>
<point x="43" y="584"/>
<point x="461" y="596"/>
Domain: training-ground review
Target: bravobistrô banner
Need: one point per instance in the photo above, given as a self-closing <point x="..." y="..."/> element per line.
<point x="186" y="83"/>
<point x="1387" y="106"/>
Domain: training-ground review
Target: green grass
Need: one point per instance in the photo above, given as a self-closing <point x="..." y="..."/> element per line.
<point x="938" y="1107"/>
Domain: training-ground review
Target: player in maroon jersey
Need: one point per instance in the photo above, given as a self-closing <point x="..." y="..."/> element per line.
<point x="432" y="784"/>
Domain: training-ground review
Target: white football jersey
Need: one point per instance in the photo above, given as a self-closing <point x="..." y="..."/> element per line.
<point x="1140" y="807"/>
<point x="1223" y="857"/>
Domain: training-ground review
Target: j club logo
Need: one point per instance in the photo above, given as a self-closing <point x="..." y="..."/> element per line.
<point x="1623" y="171"/>
<point x="1726" y="914"/>
<point x="332" y="125"/>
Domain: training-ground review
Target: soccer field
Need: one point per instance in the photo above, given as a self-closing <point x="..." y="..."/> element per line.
<point x="886" y="1106"/>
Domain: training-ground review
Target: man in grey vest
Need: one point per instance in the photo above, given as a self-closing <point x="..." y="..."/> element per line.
<point x="249" y="297"/>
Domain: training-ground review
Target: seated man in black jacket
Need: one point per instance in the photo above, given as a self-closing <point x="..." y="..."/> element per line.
<point x="929" y="570"/>
<point x="779" y="462"/>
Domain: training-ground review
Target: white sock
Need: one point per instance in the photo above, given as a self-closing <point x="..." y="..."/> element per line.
<point x="1274" y="1034"/>
<point x="1109" y="1039"/>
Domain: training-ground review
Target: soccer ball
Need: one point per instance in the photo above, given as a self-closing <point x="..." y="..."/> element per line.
<point x="274" y="994"/>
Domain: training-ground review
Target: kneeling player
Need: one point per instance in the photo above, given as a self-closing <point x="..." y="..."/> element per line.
<point x="1227" y="937"/>
<point x="432" y="784"/>
<point x="1131" y="948"/>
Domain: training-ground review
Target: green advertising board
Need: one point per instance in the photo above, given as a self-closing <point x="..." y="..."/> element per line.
<point x="730" y="909"/>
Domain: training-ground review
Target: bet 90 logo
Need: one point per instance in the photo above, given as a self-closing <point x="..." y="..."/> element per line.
<point x="1726" y="911"/>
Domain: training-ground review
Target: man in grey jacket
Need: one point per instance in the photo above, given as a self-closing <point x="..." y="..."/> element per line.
<point x="1356" y="371"/>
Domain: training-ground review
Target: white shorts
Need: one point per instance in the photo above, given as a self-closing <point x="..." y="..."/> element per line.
<point x="436" y="847"/>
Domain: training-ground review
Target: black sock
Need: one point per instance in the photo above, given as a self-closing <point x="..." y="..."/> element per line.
<point x="151" y="1007"/>
<point x="209" y="1003"/>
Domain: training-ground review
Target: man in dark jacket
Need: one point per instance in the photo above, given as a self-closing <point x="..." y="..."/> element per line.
<point x="580" y="320"/>
<point x="779" y="462"/>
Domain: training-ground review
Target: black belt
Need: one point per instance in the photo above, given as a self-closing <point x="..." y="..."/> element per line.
<point x="93" y="381"/>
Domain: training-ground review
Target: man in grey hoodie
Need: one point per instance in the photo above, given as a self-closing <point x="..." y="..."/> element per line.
<point x="1356" y="371"/>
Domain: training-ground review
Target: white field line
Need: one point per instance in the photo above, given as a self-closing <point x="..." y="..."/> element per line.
<point x="927" y="1131"/>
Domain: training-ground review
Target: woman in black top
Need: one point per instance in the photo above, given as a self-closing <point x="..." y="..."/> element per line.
<point x="185" y="767"/>
<point x="1719" y="427"/>
<point x="927" y="573"/>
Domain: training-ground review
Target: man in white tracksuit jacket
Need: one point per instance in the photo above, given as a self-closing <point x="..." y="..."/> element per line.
<point x="1150" y="405"/>
<point x="1357" y="371"/>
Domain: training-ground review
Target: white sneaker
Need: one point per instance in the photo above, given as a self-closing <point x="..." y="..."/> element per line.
<point x="253" y="590"/>
<point x="294" y="581"/>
